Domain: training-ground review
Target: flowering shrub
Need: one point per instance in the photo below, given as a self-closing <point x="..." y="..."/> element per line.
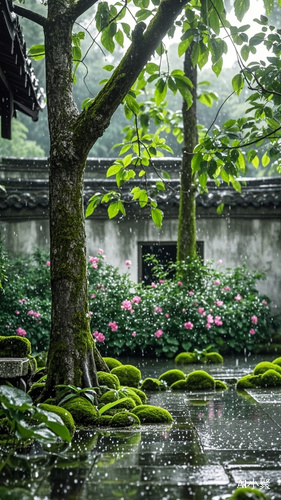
<point x="200" y="305"/>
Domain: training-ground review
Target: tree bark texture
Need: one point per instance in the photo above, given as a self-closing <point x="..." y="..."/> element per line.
<point x="186" y="246"/>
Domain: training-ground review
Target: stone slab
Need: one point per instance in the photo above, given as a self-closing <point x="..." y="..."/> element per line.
<point x="13" y="367"/>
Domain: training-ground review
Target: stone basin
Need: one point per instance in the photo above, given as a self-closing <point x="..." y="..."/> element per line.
<point x="13" y="367"/>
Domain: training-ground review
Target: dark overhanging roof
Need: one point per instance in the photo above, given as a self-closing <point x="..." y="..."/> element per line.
<point x="19" y="88"/>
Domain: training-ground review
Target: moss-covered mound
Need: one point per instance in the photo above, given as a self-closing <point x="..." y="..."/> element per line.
<point x="36" y="390"/>
<point x="128" y="375"/>
<point x="249" y="382"/>
<point x="112" y="362"/>
<point x="140" y="394"/>
<point x="112" y="395"/>
<point x="179" y="385"/>
<point x="199" y="380"/>
<point x="172" y="376"/>
<point x="108" y="379"/>
<point x="271" y="378"/>
<point x="264" y="366"/>
<point x="120" y="404"/>
<point x="186" y="358"/>
<point x="105" y="420"/>
<point x="14" y="347"/>
<point x="247" y="494"/>
<point x="277" y="361"/>
<point x="220" y="385"/>
<point x="82" y="411"/>
<point x="64" y="414"/>
<point x="127" y="419"/>
<point x="149" y="414"/>
<point x="151" y="384"/>
<point x="213" y="357"/>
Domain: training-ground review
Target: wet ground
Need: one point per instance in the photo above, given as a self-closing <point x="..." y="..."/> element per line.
<point x="218" y="441"/>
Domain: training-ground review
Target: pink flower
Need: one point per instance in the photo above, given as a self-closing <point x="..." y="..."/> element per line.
<point x="252" y="331"/>
<point x="188" y="325"/>
<point x="153" y="285"/>
<point x="22" y="301"/>
<point x="218" y="303"/>
<point x="180" y="283"/>
<point x="219" y="261"/>
<point x="17" y="313"/>
<point x="48" y="263"/>
<point x="264" y="302"/>
<point x="94" y="259"/>
<point x="100" y="251"/>
<point x="158" y="333"/>
<point x="226" y="288"/>
<point x="196" y="304"/>
<point x="191" y="292"/>
<point x="216" y="282"/>
<point x="254" y="319"/>
<point x="136" y="299"/>
<point x="161" y="281"/>
<point x="157" y="309"/>
<point x="167" y="315"/>
<point x="184" y="310"/>
<point x="201" y="310"/>
<point x="95" y="334"/>
<point x="89" y="314"/>
<point x="128" y="263"/>
<point x="21" y="332"/>
<point x="218" y="321"/>
<point x="126" y="305"/>
<point x="210" y="319"/>
<point x="113" y="325"/>
<point x="134" y="334"/>
<point x="93" y="296"/>
<point x="37" y="315"/>
<point x="94" y="265"/>
<point x="30" y="313"/>
<point x="208" y="325"/>
<point x="100" y="337"/>
<point x="238" y="297"/>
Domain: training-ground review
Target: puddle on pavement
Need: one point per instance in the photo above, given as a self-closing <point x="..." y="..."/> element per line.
<point x="217" y="442"/>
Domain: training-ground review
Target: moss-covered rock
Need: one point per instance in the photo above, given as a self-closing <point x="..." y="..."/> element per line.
<point x="82" y="411"/>
<point x="151" y="384"/>
<point x="264" y="366"/>
<point x="213" y="357"/>
<point x="140" y="394"/>
<point x="128" y="375"/>
<point x="112" y="362"/>
<point x="249" y="382"/>
<point x="186" y="358"/>
<point x="179" y="385"/>
<point x="36" y="390"/>
<point x="108" y="379"/>
<point x="149" y="414"/>
<point x="64" y="414"/>
<point x="247" y="494"/>
<point x="220" y="385"/>
<point x="277" y="361"/>
<point x="271" y="378"/>
<point x="123" y="403"/>
<point x="127" y="419"/>
<point x="14" y="347"/>
<point x="199" y="380"/>
<point x="172" y="376"/>
<point x="105" y="420"/>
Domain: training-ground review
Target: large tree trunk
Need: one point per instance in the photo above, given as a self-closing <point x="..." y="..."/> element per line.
<point x="187" y="211"/>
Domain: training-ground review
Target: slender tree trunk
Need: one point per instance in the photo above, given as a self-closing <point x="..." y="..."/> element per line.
<point x="187" y="211"/>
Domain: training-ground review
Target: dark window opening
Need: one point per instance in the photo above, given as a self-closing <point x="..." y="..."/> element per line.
<point x="165" y="252"/>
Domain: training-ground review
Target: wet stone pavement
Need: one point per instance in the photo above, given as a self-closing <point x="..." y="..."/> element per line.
<point x="217" y="442"/>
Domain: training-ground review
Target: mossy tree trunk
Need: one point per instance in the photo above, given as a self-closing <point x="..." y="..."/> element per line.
<point x="186" y="245"/>
<point x="72" y="134"/>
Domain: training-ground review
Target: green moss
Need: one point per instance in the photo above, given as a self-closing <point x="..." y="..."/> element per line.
<point x="109" y="397"/>
<point x="220" y="385"/>
<point x="249" y="382"/>
<point x="149" y="414"/>
<point x="151" y="384"/>
<point x="264" y="366"/>
<point x="14" y="347"/>
<point x="185" y="358"/>
<point x="105" y="420"/>
<point x="277" y="361"/>
<point x="179" y="385"/>
<point x="82" y="411"/>
<point x="124" y="404"/>
<point x="112" y="362"/>
<point x="108" y="379"/>
<point x="64" y="414"/>
<point x="133" y="395"/>
<point x="213" y="357"/>
<point x="125" y="420"/>
<point x="140" y="394"/>
<point x="199" y="380"/>
<point x="271" y="378"/>
<point x="32" y="364"/>
<point x="172" y="376"/>
<point x="247" y="494"/>
<point x="36" y="390"/>
<point x="128" y="375"/>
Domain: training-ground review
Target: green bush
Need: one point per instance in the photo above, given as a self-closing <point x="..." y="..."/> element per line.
<point x="204" y="307"/>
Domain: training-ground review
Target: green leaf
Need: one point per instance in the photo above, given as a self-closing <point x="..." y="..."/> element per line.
<point x="160" y="91"/>
<point x="256" y="161"/>
<point x="37" y="52"/>
<point x="119" y="37"/>
<point x="220" y="208"/>
<point x="160" y="186"/>
<point x="55" y="424"/>
<point x="113" y="209"/>
<point x="93" y="203"/>
<point x="265" y="160"/>
<point x="108" y="67"/>
<point x="132" y="104"/>
<point x="240" y="8"/>
<point x="113" y="170"/>
<point x="238" y="83"/>
<point x="183" y="46"/>
<point x="157" y="216"/>
<point x="107" y="37"/>
<point x="245" y="52"/>
<point x="108" y="406"/>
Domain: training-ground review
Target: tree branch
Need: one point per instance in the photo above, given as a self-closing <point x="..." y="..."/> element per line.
<point x="93" y="121"/>
<point x="29" y="14"/>
<point x="80" y="7"/>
